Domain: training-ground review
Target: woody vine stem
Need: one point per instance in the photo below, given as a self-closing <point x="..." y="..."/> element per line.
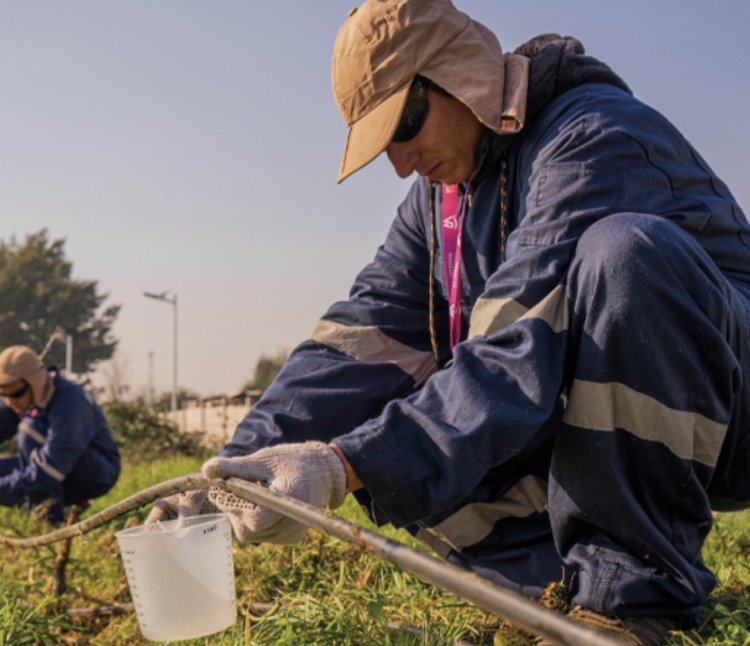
<point x="499" y="601"/>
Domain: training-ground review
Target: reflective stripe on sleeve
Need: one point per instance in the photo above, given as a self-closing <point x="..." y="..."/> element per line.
<point x="492" y="315"/>
<point x="48" y="469"/>
<point x="474" y="522"/>
<point x="27" y="428"/>
<point x="610" y="406"/>
<point x="371" y="345"/>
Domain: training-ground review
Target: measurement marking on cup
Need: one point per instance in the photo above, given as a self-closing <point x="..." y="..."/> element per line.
<point x="208" y="530"/>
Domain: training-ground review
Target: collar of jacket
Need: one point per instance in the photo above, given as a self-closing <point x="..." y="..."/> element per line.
<point x="487" y="154"/>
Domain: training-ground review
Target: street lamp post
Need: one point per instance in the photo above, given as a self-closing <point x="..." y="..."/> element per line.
<point x="68" y="356"/>
<point x="171" y="298"/>
<point x="151" y="378"/>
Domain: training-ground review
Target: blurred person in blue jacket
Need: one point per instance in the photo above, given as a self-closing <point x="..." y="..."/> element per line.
<point x="546" y="367"/>
<point x="66" y="453"/>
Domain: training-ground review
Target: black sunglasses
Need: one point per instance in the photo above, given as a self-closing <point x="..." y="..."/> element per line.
<point x="20" y="392"/>
<point x="415" y="111"/>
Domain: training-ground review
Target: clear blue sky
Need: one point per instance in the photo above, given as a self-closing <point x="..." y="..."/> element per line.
<point x="193" y="146"/>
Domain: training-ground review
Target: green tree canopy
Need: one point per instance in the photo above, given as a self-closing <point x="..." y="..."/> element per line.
<point x="266" y="369"/>
<point x="39" y="296"/>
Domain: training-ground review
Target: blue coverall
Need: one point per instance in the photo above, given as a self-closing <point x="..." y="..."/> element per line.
<point x="65" y="451"/>
<point x="598" y="403"/>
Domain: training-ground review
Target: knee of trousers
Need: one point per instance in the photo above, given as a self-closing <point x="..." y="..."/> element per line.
<point x="628" y="259"/>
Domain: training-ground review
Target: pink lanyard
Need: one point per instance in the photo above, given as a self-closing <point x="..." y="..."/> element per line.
<point x="453" y="223"/>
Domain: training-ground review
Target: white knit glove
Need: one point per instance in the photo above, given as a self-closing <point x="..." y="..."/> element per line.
<point x="187" y="503"/>
<point x="310" y="472"/>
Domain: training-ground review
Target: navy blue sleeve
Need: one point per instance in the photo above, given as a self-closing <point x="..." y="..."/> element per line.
<point x="8" y="422"/>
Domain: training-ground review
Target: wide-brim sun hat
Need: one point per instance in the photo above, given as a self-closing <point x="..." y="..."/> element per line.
<point x="384" y="44"/>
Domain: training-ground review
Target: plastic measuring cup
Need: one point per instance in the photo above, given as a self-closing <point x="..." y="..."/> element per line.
<point x="181" y="576"/>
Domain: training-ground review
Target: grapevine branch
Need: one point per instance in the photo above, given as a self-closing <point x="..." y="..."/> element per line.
<point x="509" y="605"/>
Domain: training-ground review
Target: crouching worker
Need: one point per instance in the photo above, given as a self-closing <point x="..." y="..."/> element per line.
<point x="546" y="366"/>
<point x="66" y="453"/>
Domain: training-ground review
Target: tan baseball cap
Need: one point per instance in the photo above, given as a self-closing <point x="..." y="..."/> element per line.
<point x="384" y="44"/>
<point x="21" y="362"/>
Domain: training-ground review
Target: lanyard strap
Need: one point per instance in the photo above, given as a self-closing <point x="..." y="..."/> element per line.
<point x="452" y="226"/>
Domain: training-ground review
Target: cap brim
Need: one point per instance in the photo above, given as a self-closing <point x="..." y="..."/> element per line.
<point x="370" y="136"/>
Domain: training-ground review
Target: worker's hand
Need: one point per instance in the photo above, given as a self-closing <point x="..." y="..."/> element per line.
<point x="187" y="503"/>
<point x="310" y="472"/>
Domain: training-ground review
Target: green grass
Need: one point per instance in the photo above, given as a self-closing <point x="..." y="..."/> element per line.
<point x="323" y="591"/>
<point x="28" y="616"/>
<point x="726" y="618"/>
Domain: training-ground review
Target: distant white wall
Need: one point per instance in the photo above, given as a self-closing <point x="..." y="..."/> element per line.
<point x="216" y="420"/>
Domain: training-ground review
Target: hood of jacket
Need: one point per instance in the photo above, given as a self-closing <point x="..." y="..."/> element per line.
<point x="556" y="64"/>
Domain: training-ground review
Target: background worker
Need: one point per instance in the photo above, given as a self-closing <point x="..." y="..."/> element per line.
<point x="546" y="367"/>
<point x="66" y="453"/>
